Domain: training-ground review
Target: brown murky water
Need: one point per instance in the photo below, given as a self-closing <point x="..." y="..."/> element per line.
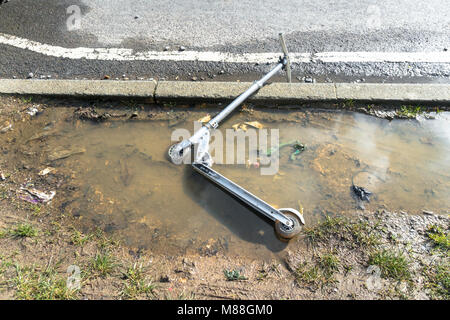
<point x="125" y="184"/>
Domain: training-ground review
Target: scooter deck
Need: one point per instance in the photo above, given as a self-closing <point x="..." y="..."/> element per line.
<point x="242" y="194"/>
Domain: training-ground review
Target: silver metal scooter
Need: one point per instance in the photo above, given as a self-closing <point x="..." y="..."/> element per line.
<point x="288" y="221"/>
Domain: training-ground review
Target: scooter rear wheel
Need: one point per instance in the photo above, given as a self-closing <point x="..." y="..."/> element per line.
<point x="286" y="233"/>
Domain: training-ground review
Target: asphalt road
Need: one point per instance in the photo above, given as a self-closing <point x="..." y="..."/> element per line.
<point x="227" y="26"/>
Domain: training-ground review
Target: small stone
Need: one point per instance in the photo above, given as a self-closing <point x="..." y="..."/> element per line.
<point x="221" y="72"/>
<point x="429" y="213"/>
<point x="182" y="48"/>
<point x="164" y="278"/>
<point x="30" y="75"/>
<point x="166" y="48"/>
<point x="194" y="79"/>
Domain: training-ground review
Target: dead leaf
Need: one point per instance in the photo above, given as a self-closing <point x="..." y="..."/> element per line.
<point x="255" y="124"/>
<point x="205" y="119"/>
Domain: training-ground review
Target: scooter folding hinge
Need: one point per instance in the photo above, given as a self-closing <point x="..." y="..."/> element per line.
<point x="213" y="124"/>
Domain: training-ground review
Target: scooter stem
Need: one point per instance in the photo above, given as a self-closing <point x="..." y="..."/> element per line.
<point x="214" y="123"/>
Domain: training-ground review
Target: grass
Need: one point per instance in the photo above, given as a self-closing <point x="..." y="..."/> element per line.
<point x="26" y="99"/>
<point x="439" y="237"/>
<point x="35" y="209"/>
<point x="393" y="265"/>
<point x="24" y="230"/>
<point x="410" y="111"/>
<point x="105" y="242"/>
<point x="349" y="103"/>
<point x="321" y="272"/>
<point x="439" y="280"/>
<point x="103" y="264"/>
<point x="354" y="233"/>
<point x="79" y="239"/>
<point x="329" y="263"/>
<point x="32" y="284"/>
<point x="233" y="275"/>
<point x="136" y="283"/>
<point x="4" y="193"/>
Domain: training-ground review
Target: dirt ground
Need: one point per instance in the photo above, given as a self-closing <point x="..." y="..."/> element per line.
<point x="43" y="254"/>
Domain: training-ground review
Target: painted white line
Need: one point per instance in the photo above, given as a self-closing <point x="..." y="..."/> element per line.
<point x="432" y="57"/>
<point x="122" y="54"/>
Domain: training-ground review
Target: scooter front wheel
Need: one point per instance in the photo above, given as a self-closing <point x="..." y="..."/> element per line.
<point x="288" y="232"/>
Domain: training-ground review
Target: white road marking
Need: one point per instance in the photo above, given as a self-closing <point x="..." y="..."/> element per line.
<point x="122" y="54"/>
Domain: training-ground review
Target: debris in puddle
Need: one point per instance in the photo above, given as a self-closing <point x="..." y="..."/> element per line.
<point x="40" y="135"/>
<point x="296" y="146"/>
<point x="6" y="128"/>
<point x="362" y="193"/>
<point x="91" y="114"/>
<point x="300" y="207"/>
<point x="426" y="140"/>
<point x="239" y="126"/>
<point x="34" y="196"/>
<point x="61" y="153"/>
<point x="32" y="111"/>
<point x="254" y="124"/>
<point x="46" y="171"/>
<point x="125" y="174"/>
<point x="250" y="164"/>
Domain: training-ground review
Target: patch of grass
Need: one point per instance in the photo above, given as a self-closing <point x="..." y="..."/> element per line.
<point x="172" y="294"/>
<point x="35" y="209"/>
<point x="321" y="272"/>
<point x="349" y="103"/>
<point x="410" y="111"/>
<point x="393" y="265"/>
<point x="354" y="233"/>
<point x="32" y="284"/>
<point x="3" y="234"/>
<point x="439" y="237"/>
<point x="136" y="283"/>
<point x="105" y="242"/>
<point x="24" y="230"/>
<point x="439" y="280"/>
<point x="309" y="275"/>
<point x="233" y="275"/>
<point x="329" y="263"/>
<point x="347" y="268"/>
<point x="79" y="239"/>
<point x="103" y="264"/>
<point x="26" y="99"/>
<point x="4" y="194"/>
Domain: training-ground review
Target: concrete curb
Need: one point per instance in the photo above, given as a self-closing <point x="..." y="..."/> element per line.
<point x="223" y="91"/>
<point x="80" y="88"/>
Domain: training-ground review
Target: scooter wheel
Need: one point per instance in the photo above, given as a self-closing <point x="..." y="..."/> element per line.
<point x="286" y="233"/>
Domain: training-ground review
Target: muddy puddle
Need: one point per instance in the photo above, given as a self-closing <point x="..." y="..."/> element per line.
<point x="115" y="174"/>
